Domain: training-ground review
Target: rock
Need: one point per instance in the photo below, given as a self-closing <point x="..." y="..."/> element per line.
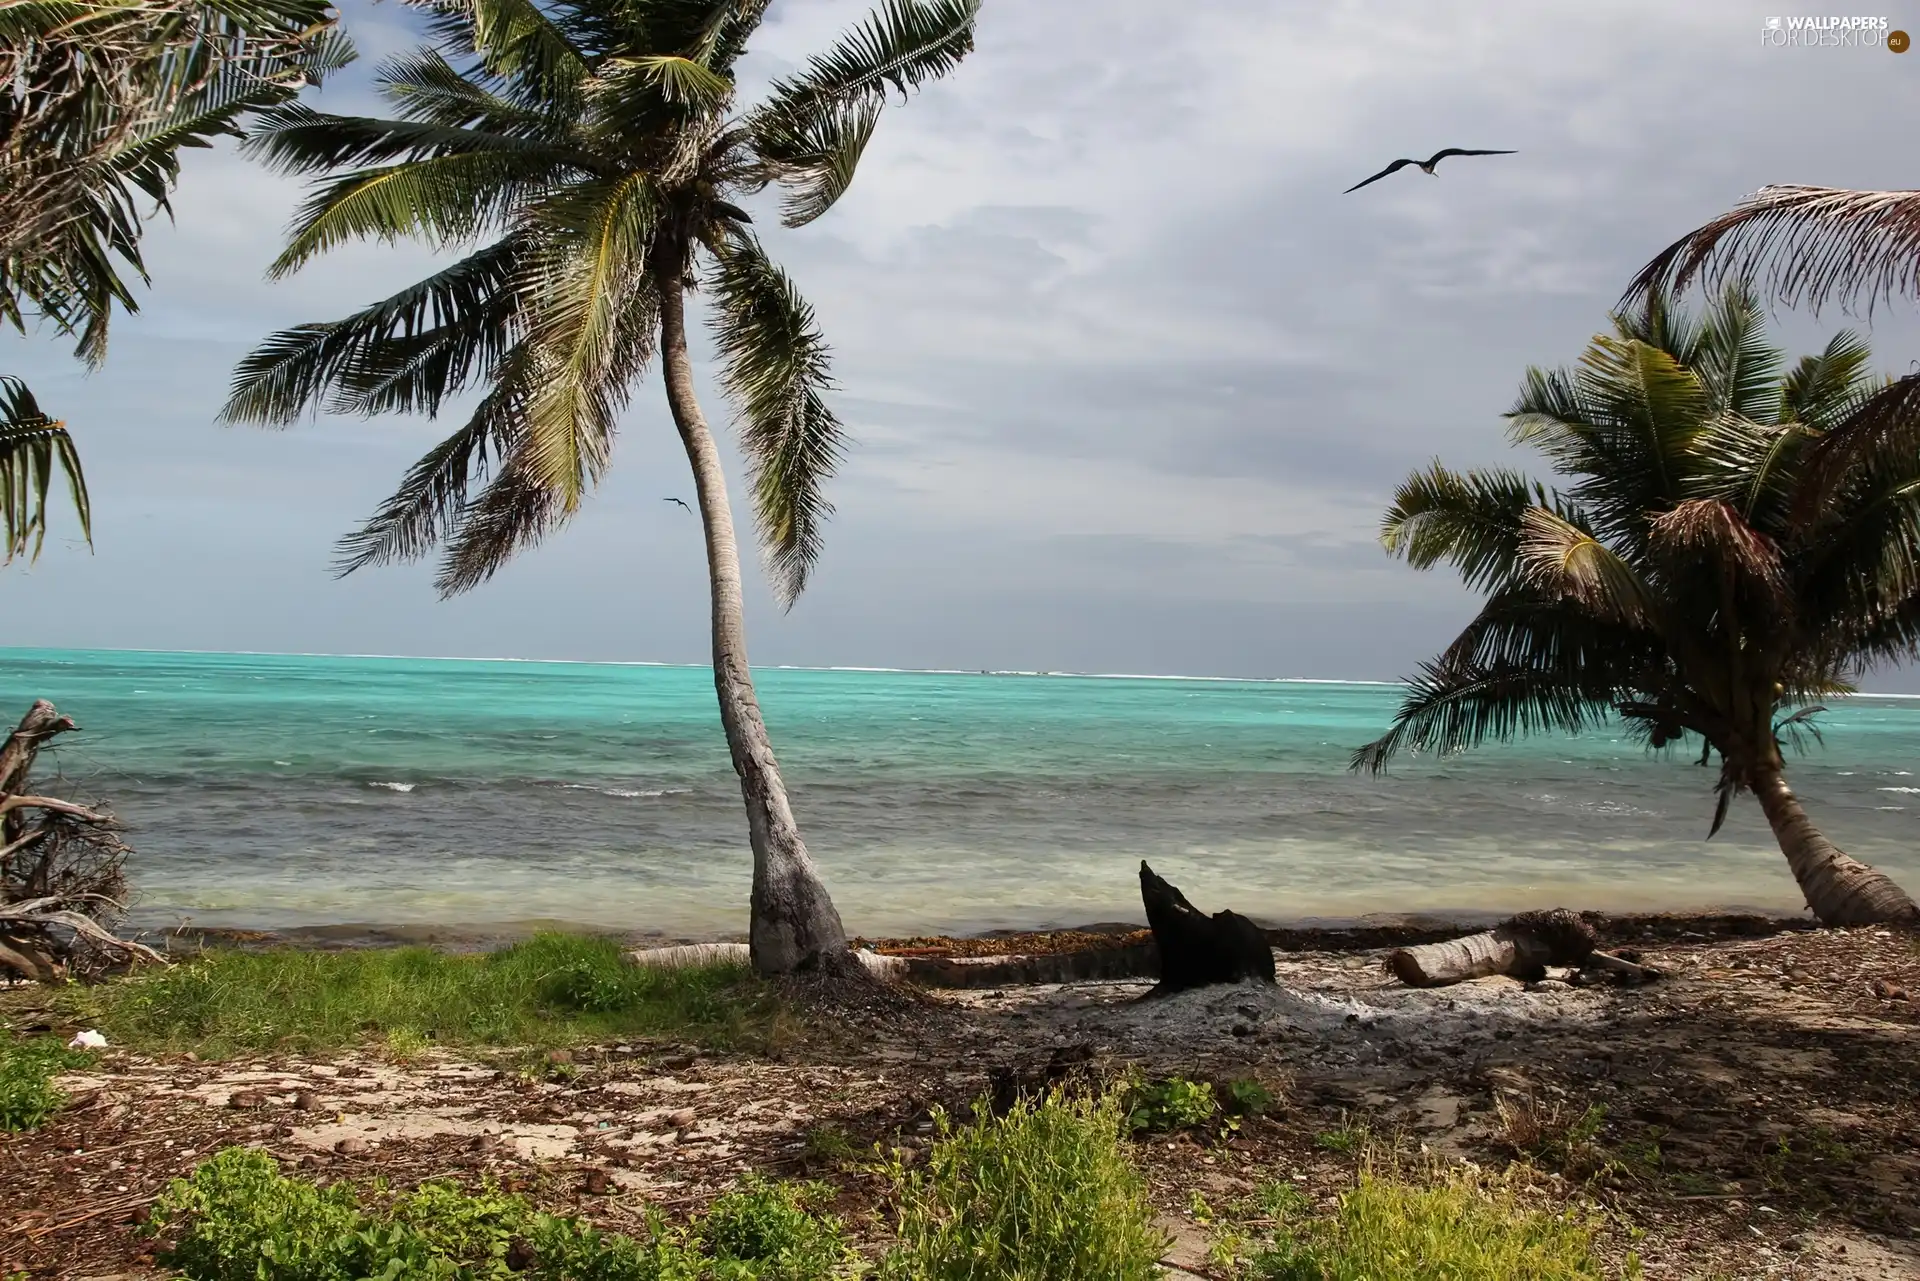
<point x="247" y="1099"/>
<point x="520" y="1256"/>
<point x="1552" y="985"/>
<point x="675" y="1062"/>
<point x="681" y="1119"/>
<point x="1241" y="1029"/>
<point x="350" y="1146"/>
<point x="598" y="1182"/>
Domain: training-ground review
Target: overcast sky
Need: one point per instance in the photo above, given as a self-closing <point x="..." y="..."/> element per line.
<point x="1130" y="379"/>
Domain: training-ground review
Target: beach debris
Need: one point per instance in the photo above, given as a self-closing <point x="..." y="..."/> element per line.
<point x="1521" y="947"/>
<point x="1198" y="950"/>
<point x="62" y="869"/>
<point x="87" y="1040"/>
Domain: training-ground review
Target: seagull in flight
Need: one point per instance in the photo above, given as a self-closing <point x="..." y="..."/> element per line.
<point x="681" y="501"/>
<point x="1425" y="166"/>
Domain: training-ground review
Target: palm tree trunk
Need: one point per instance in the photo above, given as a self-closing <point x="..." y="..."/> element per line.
<point x="794" y="925"/>
<point x="1840" y="889"/>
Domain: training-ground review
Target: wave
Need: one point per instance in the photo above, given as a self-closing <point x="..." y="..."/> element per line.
<point x="1909" y="791"/>
<point x="395" y="787"/>
<point x="627" y="793"/>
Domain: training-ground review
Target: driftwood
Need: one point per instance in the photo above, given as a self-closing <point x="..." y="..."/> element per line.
<point x="1521" y="947"/>
<point x="1198" y="950"/>
<point x="684" y="956"/>
<point x="61" y="868"/>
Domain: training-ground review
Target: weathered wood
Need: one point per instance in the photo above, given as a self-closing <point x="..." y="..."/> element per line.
<point x="1522" y="946"/>
<point x="41" y="723"/>
<point x="1198" y="950"/>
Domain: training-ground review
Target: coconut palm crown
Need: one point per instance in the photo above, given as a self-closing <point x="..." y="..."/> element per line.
<point x="1676" y="578"/>
<point x="589" y="160"/>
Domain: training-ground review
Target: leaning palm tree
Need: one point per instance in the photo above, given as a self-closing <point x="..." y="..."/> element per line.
<point x="1676" y="579"/>
<point x="97" y="100"/>
<point x="588" y="159"/>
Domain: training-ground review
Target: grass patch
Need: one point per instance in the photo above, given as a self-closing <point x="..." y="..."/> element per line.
<point x="1044" y="1193"/>
<point x="553" y="989"/>
<point x="27" y="1069"/>
<point x="1458" y="1225"/>
<point x="239" y="1218"/>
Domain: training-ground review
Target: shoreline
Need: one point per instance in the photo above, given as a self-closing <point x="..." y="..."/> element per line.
<point x="1309" y="934"/>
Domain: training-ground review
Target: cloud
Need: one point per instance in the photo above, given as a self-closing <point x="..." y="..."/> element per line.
<point x="1131" y="379"/>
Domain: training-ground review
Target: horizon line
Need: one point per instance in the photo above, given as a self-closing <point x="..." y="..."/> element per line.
<point x="775" y="667"/>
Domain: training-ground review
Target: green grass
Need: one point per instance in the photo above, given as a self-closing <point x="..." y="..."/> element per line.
<point x="1043" y="1193"/>
<point x="239" y="1219"/>
<point x="553" y="989"/>
<point x="1442" y="1224"/>
<point x="27" y="1069"/>
<point x="1171" y="1104"/>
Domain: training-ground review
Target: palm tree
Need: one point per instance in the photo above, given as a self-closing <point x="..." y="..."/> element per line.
<point x="587" y="156"/>
<point x="99" y="99"/>
<point x="1677" y="579"/>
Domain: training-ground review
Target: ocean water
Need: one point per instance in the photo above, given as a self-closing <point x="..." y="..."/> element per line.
<point x="276" y="791"/>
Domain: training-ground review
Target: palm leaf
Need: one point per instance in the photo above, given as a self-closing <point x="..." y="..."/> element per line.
<point x="432" y="500"/>
<point x="590" y="306"/>
<point x="405" y="353"/>
<point x="1560" y="559"/>
<point x="32" y="447"/>
<point x="1470" y="519"/>
<point x="811" y="129"/>
<point x="1807" y="244"/>
<point x="776" y="370"/>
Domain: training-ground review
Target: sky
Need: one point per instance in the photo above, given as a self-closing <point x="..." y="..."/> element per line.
<point x="1130" y="379"/>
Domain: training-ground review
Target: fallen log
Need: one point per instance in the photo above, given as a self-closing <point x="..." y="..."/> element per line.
<point x="1197" y="950"/>
<point x="1520" y="947"/>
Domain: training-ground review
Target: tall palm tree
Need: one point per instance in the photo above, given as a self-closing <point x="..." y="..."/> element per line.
<point x="1676" y="578"/>
<point x="587" y="157"/>
<point x="97" y="100"/>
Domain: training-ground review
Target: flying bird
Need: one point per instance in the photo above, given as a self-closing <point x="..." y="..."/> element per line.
<point x="1426" y="166"/>
<point x="681" y="501"/>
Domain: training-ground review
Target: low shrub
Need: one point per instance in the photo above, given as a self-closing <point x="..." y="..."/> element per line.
<point x="1171" y="1104"/>
<point x="1449" y="1224"/>
<point x="27" y="1069"/>
<point x="238" y="1218"/>
<point x="1043" y="1193"/>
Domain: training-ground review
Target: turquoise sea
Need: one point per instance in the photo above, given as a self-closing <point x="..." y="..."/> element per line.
<point x="274" y="791"/>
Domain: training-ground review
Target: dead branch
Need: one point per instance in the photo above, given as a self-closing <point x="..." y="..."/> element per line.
<point x="56" y="911"/>
<point x="8" y="804"/>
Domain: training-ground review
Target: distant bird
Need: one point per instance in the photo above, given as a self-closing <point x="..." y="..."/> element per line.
<point x="1426" y="166"/>
<point x="681" y="501"/>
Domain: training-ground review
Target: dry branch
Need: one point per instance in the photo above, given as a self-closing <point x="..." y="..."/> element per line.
<point x="1522" y="947"/>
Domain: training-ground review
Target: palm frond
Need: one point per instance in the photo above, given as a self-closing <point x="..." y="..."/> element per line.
<point x="445" y="200"/>
<point x="1470" y="519"/>
<point x="32" y="447"/>
<point x="432" y="500"/>
<point x="1824" y="390"/>
<point x="1882" y="428"/>
<point x="405" y="353"/>
<point x="776" y="371"/>
<point x="1739" y="367"/>
<point x="1558" y="558"/>
<point x="811" y="129"/>
<point x="1805" y="244"/>
<point x="1451" y="709"/>
<point x="1715" y="528"/>
<point x="590" y="307"/>
<point x="515" y="511"/>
